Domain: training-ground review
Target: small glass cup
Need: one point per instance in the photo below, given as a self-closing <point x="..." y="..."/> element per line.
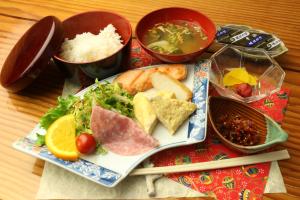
<point x="256" y="62"/>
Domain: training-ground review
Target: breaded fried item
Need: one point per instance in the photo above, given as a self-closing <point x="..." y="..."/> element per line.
<point x="134" y="81"/>
<point x="143" y="82"/>
<point x="126" y="80"/>
<point x="177" y="71"/>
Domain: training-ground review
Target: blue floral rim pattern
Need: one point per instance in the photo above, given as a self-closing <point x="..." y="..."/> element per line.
<point x="81" y="167"/>
<point x="198" y="121"/>
<point x="90" y="170"/>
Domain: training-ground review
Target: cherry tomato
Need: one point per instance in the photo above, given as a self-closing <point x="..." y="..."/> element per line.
<point x="86" y="143"/>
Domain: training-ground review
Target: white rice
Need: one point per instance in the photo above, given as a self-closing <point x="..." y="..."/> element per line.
<point x="87" y="47"/>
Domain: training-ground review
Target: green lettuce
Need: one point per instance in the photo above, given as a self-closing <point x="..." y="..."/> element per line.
<point x="113" y="97"/>
<point x="65" y="106"/>
<point x="107" y="95"/>
<point x="40" y="140"/>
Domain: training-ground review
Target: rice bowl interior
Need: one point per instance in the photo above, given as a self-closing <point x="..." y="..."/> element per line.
<point x="88" y="47"/>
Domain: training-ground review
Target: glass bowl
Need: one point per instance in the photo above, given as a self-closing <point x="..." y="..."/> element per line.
<point x="267" y="73"/>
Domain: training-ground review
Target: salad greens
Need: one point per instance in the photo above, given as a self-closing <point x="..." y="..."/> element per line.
<point x="82" y="113"/>
<point x="107" y="95"/>
<point x="113" y="97"/>
<point x="40" y="140"/>
<point x="65" y="106"/>
<point x="100" y="150"/>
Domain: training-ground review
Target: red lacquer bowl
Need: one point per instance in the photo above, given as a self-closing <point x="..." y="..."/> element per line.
<point x="171" y="14"/>
<point x="92" y="22"/>
<point x="31" y="53"/>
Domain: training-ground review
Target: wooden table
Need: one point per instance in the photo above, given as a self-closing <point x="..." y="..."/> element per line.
<point x="20" y="173"/>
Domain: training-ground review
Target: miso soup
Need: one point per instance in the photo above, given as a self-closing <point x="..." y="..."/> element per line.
<point x="175" y="37"/>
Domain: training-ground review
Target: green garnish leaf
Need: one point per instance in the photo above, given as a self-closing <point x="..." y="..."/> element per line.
<point x="100" y="150"/>
<point x="64" y="107"/>
<point x="40" y="140"/>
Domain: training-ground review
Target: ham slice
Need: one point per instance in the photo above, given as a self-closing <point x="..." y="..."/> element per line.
<point x="120" y="134"/>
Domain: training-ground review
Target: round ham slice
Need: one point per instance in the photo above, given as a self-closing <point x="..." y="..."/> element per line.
<point x="120" y="134"/>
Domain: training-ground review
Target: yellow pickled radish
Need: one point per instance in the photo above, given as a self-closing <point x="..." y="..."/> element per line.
<point x="252" y="80"/>
<point x="230" y="80"/>
<point x="60" y="138"/>
<point x="238" y="76"/>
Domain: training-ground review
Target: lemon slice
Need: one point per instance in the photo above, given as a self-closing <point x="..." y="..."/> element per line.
<point x="60" y="138"/>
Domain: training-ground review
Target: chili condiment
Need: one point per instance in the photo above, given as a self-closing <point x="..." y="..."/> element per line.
<point x="238" y="130"/>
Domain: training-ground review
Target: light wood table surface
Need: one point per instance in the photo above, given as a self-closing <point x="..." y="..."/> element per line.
<point x="20" y="174"/>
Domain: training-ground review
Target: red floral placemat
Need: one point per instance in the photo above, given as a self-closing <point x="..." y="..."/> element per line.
<point x="139" y="57"/>
<point x="274" y="105"/>
<point x="229" y="183"/>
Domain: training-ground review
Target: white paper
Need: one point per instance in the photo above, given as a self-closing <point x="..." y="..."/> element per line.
<point x="57" y="183"/>
<point x="275" y="182"/>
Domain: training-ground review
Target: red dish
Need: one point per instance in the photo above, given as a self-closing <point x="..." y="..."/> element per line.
<point x="171" y="14"/>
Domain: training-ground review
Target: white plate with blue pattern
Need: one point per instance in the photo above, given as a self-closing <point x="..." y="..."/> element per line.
<point x="108" y="170"/>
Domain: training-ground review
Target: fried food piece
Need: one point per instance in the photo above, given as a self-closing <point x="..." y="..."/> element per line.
<point x="126" y="79"/>
<point x="143" y="82"/>
<point x="176" y="71"/>
<point x="134" y="81"/>
<point x="162" y="81"/>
